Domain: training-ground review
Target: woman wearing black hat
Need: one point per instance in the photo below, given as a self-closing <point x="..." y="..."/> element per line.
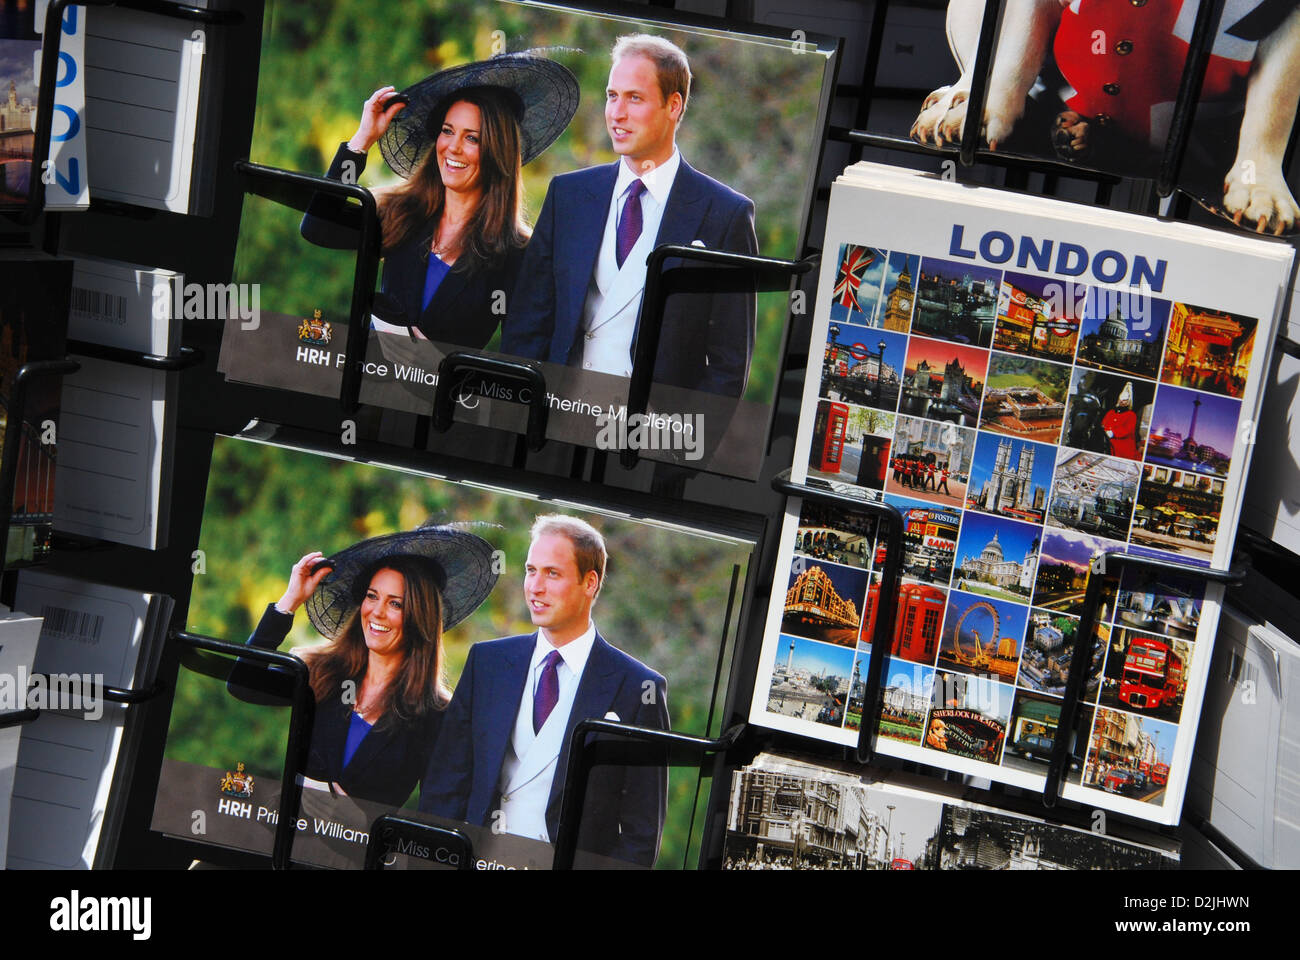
<point x="453" y="234"/>
<point x="383" y="605"/>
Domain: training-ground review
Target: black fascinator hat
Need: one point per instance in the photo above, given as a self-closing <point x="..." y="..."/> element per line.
<point x="545" y="94"/>
<point x="458" y="561"/>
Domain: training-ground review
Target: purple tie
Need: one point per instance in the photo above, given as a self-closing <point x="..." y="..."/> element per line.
<point x="548" y="690"/>
<point x="629" y="225"/>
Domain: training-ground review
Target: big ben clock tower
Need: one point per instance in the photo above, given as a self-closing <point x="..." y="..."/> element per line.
<point x="898" y="309"/>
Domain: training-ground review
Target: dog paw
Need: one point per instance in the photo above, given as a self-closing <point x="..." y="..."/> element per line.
<point x="997" y="129"/>
<point x="1260" y="200"/>
<point x="954" y="119"/>
<point x="1070" y="136"/>
<point x="1001" y="114"/>
<point x="942" y="116"/>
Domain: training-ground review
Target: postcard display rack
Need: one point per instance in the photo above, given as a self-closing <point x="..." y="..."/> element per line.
<point x="435" y="444"/>
<point x="31" y="235"/>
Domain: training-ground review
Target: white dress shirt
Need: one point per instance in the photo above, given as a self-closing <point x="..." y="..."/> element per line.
<point x="614" y="293"/>
<point x="531" y="758"/>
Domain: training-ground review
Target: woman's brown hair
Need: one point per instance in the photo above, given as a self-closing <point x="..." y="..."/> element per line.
<point x="497" y="226"/>
<point x="420" y="688"/>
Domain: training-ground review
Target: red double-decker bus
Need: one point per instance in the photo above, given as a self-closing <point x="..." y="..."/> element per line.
<point x="1153" y="674"/>
<point x="1160" y="774"/>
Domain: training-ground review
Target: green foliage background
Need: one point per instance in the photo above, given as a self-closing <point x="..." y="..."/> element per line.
<point x="751" y="123"/>
<point x="664" y="599"/>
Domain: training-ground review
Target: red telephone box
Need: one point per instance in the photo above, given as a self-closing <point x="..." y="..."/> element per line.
<point x="827" y="451"/>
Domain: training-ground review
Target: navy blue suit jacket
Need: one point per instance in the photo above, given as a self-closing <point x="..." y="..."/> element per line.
<point x="623" y="817"/>
<point x="707" y="340"/>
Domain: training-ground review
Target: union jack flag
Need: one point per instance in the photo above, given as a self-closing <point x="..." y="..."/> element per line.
<point x="853" y="268"/>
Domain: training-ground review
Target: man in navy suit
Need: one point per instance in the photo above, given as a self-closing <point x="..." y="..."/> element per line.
<point x="578" y="296"/>
<point x="504" y="744"/>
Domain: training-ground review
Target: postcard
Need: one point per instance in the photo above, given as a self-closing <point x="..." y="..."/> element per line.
<point x="1068" y="389"/>
<point x="486" y="605"/>
<point x="557" y="275"/>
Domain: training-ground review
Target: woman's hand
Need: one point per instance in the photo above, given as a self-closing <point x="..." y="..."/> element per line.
<point x="374" y="120"/>
<point x="303" y="581"/>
